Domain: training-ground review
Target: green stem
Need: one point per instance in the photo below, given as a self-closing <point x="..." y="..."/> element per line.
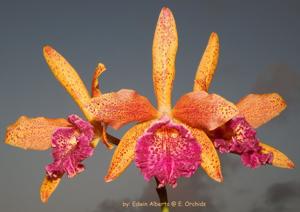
<point x="163" y="197"/>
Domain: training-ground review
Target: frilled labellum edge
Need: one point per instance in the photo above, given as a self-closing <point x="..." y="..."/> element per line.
<point x="167" y="151"/>
<point x="70" y="146"/>
<point x="238" y="137"/>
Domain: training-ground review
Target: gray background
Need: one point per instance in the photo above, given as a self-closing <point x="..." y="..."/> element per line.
<point x="259" y="53"/>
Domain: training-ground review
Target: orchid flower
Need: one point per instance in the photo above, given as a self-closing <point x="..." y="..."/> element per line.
<point x="238" y="135"/>
<point x="163" y="144"/>
<point x="168" y="143"/>
<point x="73" y="139"/>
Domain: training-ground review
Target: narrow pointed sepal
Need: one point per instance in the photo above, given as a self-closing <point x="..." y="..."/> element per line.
<point x="125" y="151"/>
<point x="68" y="77"/>
<point x="210" y="161"/>
<point x="208" y="64"/>
<point x="48" y="187"/>
<point x="279" y="159"/>
<point x="164" y="51"/>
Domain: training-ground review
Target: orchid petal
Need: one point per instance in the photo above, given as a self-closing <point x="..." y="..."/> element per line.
<point x="119" y="108"/>
<point x="210" y="161"/>
<point x="279" y="159"/>
<point x="261" y="108"/>
<point x="95" y="83"/>
<point x="237" y="136"/>
<point x="33" y="133"/>
<point x="202" y="110"/>
<point x="70" y="147"/>
<point x="208" y="64"/>
<point x="164" y="51"/>
<point x="167" y="151"/>
<point x="68" y="77"/>
<point x="124" y="153"/>
<point x="48" y="187"/>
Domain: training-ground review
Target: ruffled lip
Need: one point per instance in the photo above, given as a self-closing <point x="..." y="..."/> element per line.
<point x="167" y="151"/>
<point x="70" y="146"/>
<point x="238" y="137"/>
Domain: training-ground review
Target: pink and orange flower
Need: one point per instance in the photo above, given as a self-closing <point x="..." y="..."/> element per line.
<point x="167" y="142"/>
<point x="72" y="140"/>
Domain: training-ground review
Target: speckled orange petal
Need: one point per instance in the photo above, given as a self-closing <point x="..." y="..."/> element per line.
<point x="208" y="64"/>
<point x="202" y="110"/>
<point x="164" y="51"/>
<point x="279" y="159"/>
<point x="68" y="77"/>
<point x="119" y="108"/>
<point x="210" y="161"/>
<point x="261" y="108"/>
<point x="33" y="133"/>
<point x="48" y="187"/>
<point x="95" y="83"/>
<point x="124" y="152"/>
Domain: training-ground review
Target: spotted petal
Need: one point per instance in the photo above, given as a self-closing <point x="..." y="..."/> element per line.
<point x="210" y="161"/>
<point x="164" y="51"/>
<point x="202" y="110"/>
<point x="119" y="108"/>
<point x="279" y="159"/>
<point x="261" y="108"/>
<point x="124" y="152"/>
<point x="208" y="64"/>
<point x="68" y="77"/>
<point x="48" y="187"/>
<point x="33" y="133"/>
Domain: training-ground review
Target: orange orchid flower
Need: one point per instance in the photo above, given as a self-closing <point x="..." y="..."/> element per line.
<point x="164" y="144"/>
<point x="168" y="143"/>
<point x="238" y="135"/>
<point x="73" y="139"/>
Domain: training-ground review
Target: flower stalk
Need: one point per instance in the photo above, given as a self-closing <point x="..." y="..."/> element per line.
<point x="163" y="196"/>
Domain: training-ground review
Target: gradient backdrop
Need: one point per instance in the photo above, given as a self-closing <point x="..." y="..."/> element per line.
<point x="259" y="53"/>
